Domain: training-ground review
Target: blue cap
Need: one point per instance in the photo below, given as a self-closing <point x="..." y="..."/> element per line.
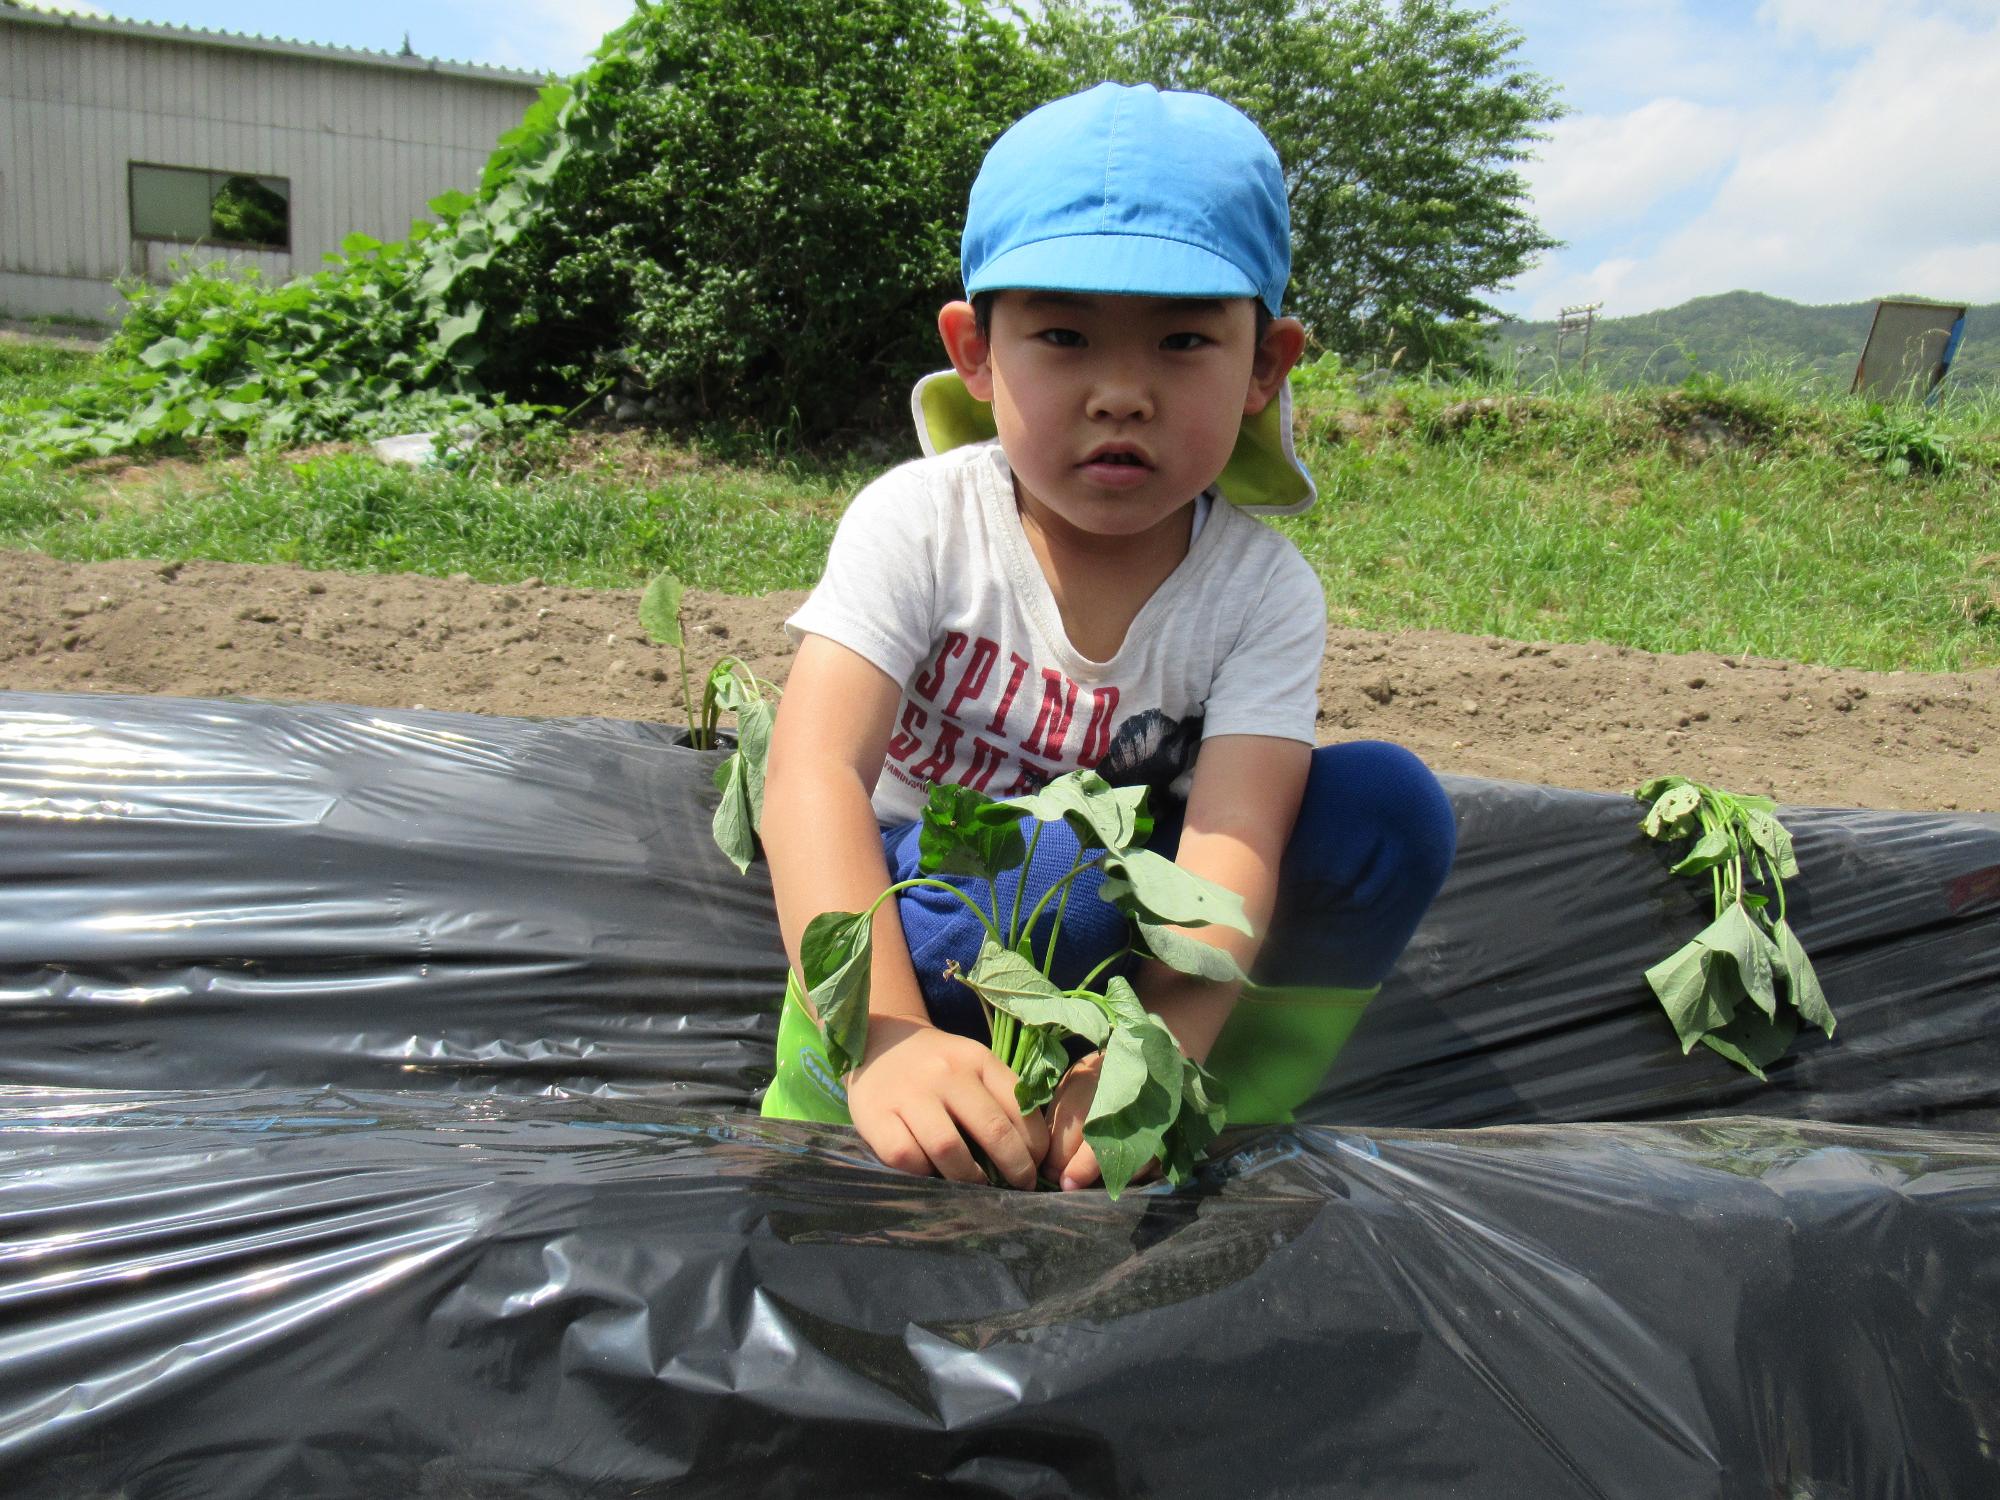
<point x="1129" y="191"/>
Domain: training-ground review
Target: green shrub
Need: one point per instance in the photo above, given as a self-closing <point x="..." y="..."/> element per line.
<point x="765" y="217"/>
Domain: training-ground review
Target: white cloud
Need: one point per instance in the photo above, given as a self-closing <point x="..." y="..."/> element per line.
<point x="1831" y="23"/>
<point x="1597" y="170"/>
<point x="1856" y="24"/>
<point x="1640" y="49"/>
<point x="1884" y="185"/>
<point x="1966" y="271"/>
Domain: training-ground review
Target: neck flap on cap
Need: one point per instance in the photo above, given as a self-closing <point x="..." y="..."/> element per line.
<point x="1263" y="476"/>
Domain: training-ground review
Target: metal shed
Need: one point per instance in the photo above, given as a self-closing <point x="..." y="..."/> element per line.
<point x="125" y="145"/>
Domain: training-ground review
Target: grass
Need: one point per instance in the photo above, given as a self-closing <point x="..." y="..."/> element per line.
<point x="1758" y="515"/>
<point x="1738" y="517"/>
<point x="31" y="372"/>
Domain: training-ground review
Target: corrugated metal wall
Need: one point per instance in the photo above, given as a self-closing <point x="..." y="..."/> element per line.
<point x="364" y="148"/>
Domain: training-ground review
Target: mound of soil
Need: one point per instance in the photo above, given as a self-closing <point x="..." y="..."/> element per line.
<point x="1595" y="717"/>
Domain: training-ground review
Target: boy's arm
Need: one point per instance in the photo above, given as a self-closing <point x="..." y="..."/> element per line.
<point x="920" y="1093"/>
<point x="1241" y="808"/>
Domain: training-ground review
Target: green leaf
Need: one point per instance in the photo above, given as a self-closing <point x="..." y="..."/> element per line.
<point x="1682" y="983"/>
<point x="1714" y="847"/>
<point x="1101" y="815"/>
<point x="450" y="205"/>
<point x="962" y="835"/>
<point x="1201" y="1118"/>
<point x="754" y="722"/>
<point x="1801" y="982"/>
<point x="1736" y="937"/>
<point x="1039" y="1064"/>
<point x="1188" y="955"/>
<point x="1138" y="1099"/>
<point x="1769" y="835"/>
<point x="1652" y="790"/>
<point x="1151" y="888"/>
<point x="1752" y="1041"/>
<point x="835" y="954"/>
<point x="733" y="686"/>
<point x="1676" y="804"/>
<point x="660" y="611"/>
<point x="1008" y="982"/>
<point x="735" y="823"/>
<point x="459" y="327"/>
<point x="165" y="352"/>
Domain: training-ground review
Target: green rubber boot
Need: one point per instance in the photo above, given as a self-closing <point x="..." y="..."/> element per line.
<point x="1279" y="1045"/>
<point x="804" y="1086"/>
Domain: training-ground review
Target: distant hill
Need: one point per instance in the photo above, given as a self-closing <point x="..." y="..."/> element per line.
<point x="1736" y="329"/>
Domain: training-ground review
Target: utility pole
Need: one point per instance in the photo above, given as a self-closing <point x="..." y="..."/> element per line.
<point x="1578" y="319"/>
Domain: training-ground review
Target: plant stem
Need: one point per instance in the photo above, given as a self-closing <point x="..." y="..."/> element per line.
<point x="1027" y="863"/>
<point x="1089" y="978"/>
<point x="943" y="885"/>
<point x="1002" y="1036"/>
<point x="1055" y="931"/>
<point x="695" y="737"/>
<point x="1063" y="885"/>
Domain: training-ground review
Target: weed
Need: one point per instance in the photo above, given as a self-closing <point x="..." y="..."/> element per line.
<point x="1904" y="438"/>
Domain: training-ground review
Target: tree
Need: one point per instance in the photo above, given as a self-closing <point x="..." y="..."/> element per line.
<point x="761" y="215"/>
<point x="1401" y="127"/>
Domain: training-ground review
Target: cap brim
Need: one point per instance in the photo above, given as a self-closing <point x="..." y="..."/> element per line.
<point x="1118" y="265"/>
<point x="1263" y="475"/>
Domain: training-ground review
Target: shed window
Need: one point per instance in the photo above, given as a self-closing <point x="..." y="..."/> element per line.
<point x="228" y="208"/>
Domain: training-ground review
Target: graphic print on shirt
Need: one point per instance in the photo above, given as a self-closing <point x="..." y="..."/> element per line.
<point x="991" y="720"/>
<point x="1150" y="749"/>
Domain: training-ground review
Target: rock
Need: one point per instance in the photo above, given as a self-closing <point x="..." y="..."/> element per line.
<point x="1469" y="705"/>
<point x="1462" y="414"/>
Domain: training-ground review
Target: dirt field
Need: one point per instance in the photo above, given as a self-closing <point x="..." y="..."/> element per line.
<point x="1597" y="717"/>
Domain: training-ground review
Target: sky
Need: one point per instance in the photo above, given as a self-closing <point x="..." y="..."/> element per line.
<point x="1820" y="150"/>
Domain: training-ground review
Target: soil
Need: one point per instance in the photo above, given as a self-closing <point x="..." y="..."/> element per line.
<point x="1590" y="716"/>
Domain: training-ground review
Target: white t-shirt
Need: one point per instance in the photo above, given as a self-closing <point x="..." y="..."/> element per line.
<point x="931" y="578"/>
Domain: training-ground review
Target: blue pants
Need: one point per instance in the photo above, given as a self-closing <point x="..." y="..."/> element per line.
<point x="1373" y="843"/>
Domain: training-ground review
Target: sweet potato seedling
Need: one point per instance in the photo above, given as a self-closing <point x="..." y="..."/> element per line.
<point x="1735" y="959"/>
<point x="660" y="618"/>
<point x="1152" y="1101"/>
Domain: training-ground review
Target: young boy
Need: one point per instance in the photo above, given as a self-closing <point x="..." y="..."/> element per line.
<point x="1085" y="589"/>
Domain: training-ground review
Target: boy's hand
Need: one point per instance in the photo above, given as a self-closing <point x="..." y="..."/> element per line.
<point x="921" y="1093"/>
<point x="1069" y="1159"/>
